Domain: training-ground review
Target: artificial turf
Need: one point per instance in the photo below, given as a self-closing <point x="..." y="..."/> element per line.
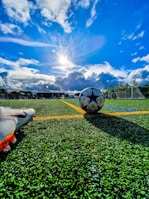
<point x="99" y="157"/>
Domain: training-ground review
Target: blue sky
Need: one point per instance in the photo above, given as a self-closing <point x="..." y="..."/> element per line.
<point x="71" y="44"/>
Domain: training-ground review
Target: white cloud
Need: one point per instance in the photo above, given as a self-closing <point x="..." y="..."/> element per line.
<point x="28" y="74"/>
<point x="26" y="42"/>
<point x="84" y="3"/>
<point x="133" y="54"/>
<point x="24" y="62"/>
<point x="136" y="59"/>
<point x="93" y="14"/>
<point x="144" y="58"/>
<point x="56" y="11"/>
<point x="10" y="29"/>
<point x="41" y="30"/>
<point x="141" y="75"/>
<point x="52" y="10"/>
<point x="138" y="26"/>
<point x="140" y="35"/>
<point x="18" y="11"/>
<point x="133" y="36"/>
<point x="141" y="48"/>
<point x="2" y="83"/>
<point x="17" y="64"/>
<point x="104" y="68"/>
<point x="21" y="76"/>
<point x="2" y="69"/>
<point x="24" y="77"/>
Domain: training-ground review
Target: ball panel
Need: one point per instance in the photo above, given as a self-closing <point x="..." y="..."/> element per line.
<point x="96" y="92"/>
<point x="100" y="101"/>
<point x="92" y="107"/>
<point x="84" y="100"/>
<point x="91" y="99"/>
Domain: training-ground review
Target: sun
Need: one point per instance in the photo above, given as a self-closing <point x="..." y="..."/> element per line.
<point x="63" y="60"/>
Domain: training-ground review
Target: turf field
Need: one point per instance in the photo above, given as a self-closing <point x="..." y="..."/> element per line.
<point x="65" y="154"/>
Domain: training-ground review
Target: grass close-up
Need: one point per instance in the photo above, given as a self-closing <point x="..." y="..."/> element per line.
<point x="102" y="156"/>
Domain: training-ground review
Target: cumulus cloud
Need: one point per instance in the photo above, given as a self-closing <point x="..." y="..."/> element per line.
<point x="74" y="81"/>
<point x="21" y="77"/>
<point x="55" y="11"/>
<point x="10" y="29"/>
<point x="141" y="75"/>
<point x="51" y="11"/>
<point x="25" y="78"/>
<point x="104" y="68"/>
<point x="18" y="11"/>
<point x="106" y="80"/>
<point x="99" y="75"/>
<point x="29" y="79"/>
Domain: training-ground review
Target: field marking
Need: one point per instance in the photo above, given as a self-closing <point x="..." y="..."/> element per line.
<point x="85" y="115"/>
<point x="58" y="117"/>
<point x="89" y="115"/>
<point x="113" y="113"/>
<point x="128" y="113"/>
<point x="120" y="109"/>
<point x="78" y="109"/>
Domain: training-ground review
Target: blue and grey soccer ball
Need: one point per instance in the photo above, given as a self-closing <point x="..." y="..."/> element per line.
<point x="91" y="99"/>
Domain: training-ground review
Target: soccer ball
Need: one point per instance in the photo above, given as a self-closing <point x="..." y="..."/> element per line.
<point x="91" y="99"/>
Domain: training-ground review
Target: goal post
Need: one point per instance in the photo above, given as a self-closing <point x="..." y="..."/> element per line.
<point x="131" y="92"/>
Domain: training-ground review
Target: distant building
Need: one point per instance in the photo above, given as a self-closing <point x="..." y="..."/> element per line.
<point x="4" y="94"/>
<point x="20" y="95"/>
<point x="50" y="94"/>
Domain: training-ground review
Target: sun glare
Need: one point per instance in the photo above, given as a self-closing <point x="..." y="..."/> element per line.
<point x="63" y="60"/>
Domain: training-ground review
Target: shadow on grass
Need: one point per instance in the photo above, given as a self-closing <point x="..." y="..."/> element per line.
<point x="19" y="136"/>
<point x="120" y="128"/>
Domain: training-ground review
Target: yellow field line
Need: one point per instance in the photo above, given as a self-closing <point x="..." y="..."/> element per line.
<point x="89" y="115"/>
<point x="74" y="107"/>
<point x="85" y="115"/>
<point x="58" y="117"/>
<point x="128" y="113"/>
<point x="113" y="114"/>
